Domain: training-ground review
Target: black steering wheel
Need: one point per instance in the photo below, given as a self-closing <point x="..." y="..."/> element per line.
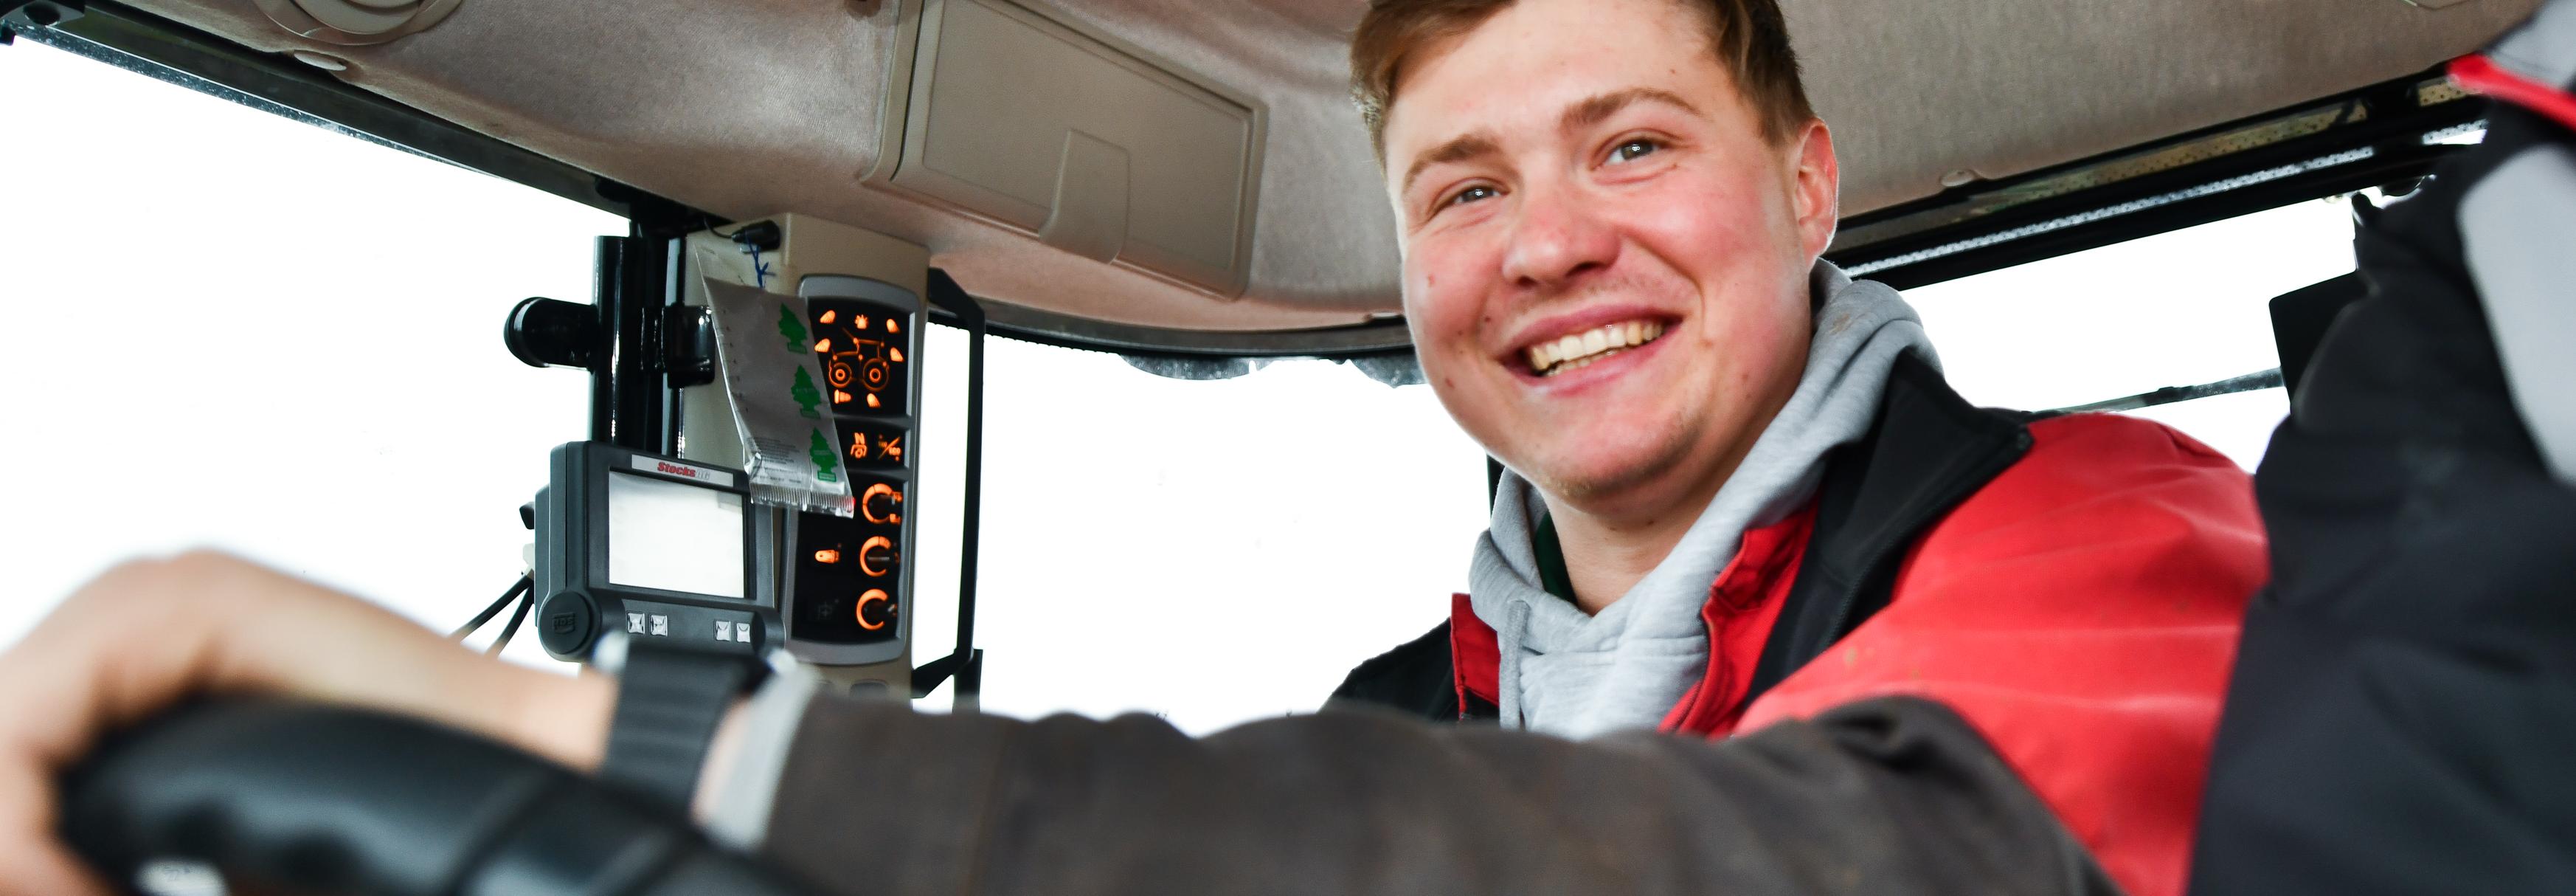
<point x="315" y="799"/>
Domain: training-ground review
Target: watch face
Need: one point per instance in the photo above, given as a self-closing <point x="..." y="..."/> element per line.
<point x="861" y="347"/>
<point x="849" y="570"/>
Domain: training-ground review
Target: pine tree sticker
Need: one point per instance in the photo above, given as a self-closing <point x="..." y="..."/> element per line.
<point x="825" y="459"/>
<point x="790" y="327"/>
<point x="808" y="398"/>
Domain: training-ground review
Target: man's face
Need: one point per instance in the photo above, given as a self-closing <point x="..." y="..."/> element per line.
<point x="1575" y="176"/>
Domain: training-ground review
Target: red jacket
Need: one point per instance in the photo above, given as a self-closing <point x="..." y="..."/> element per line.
<point x="2080" y="609"/>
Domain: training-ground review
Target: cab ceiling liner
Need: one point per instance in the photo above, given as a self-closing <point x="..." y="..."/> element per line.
<point x="1208" y="151"/>
<point x="1063" y="134"/>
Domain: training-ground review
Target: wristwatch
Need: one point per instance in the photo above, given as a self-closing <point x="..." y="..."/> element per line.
<point x="669" y="703"/>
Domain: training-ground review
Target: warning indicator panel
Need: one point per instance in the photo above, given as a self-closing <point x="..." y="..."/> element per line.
<point x="860" y="345"/>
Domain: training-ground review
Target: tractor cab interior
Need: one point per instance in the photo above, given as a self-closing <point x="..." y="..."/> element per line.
<point x="833" y="218"/>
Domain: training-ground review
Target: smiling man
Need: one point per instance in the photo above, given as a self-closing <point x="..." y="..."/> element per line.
<point x="1726" y="459"/>
<point x="1806" y="620"/>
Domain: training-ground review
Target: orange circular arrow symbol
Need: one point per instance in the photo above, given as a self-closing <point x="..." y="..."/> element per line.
<point x="867" y="504"/>
<point x="868" y="550"/>
<point x="873" y="595"/>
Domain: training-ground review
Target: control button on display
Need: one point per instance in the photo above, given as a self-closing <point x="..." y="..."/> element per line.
<point x="882" y="503"/>
<point x="661" y="625"/>
<point x="875" y="609"/>
<point x="876" y="557"/>
<point x="634" y="623"/>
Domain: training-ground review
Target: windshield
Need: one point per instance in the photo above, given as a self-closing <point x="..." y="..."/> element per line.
<point x="244" y="332"/>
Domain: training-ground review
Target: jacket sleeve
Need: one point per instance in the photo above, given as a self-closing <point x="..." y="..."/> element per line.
<point x="2081" y="612"/>
<point x="2405" y="705"/>
<point x="1891" y="797"/>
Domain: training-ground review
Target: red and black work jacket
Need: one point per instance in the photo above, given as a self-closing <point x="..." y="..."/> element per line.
<point x="2072" y="586"/>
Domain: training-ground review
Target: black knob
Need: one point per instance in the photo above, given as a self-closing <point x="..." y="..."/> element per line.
<point x="544" y="332"/>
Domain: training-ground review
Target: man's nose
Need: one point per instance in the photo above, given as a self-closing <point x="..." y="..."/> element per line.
<point x="1557" y="239"/>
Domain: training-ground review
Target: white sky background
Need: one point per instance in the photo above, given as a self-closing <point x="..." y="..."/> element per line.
<point x="234" y="330"/>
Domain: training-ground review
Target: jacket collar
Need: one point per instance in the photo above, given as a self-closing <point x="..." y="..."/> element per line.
<point x="1929" y="450"/>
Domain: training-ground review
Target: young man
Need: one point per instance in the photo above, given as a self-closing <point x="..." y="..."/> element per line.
<point x="1727" y="460"/>
<point x="2023" y="625"/>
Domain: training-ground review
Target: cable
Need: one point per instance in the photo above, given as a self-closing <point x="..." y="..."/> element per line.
<point x="525" y="582"/>
<point x="517" y="616"/>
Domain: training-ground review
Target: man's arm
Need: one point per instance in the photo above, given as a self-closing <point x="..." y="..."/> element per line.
<point x="1893" y="796"/>
<point x="2404" y="702"/>
<point x="148" y="634"/>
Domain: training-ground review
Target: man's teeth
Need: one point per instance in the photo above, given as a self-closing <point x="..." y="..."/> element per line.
<point x="1577" y="349"/>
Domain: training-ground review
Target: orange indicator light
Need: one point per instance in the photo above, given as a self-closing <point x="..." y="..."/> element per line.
<point x="823" y="345"/>
<point x="827" y="317"/>
<point x="860" y="322"/>
<point x="873" y="596"/>
<point x="840" y="397"/>
<point x="881" y="503"/>
<point x="872" y="400"/>
<point x="827" y="555"/>
<point x="895" y="355"/>
<point x="892" y="327"/>
<point x="876" y="546"/>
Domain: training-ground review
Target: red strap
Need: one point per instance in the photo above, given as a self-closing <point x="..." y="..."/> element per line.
<point x="2480" y="75"/>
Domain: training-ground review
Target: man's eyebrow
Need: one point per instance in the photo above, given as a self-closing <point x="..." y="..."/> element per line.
<point x="1456" y="150"/>
<point x="1581" y="115"/>
<point x="1599" y="108"/>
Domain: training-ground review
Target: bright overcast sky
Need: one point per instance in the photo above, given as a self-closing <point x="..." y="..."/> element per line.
<point x="240" y="331"/>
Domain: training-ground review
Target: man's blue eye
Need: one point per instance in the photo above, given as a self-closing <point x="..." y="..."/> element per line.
<point x="1472" y="194"/>
<point x="1630" y="150"/>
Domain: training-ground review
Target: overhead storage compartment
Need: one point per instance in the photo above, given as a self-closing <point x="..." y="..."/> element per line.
<point x="1083" y="142"/>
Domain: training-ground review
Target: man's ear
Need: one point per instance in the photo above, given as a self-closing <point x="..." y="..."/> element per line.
<point x="1816" y="187"/>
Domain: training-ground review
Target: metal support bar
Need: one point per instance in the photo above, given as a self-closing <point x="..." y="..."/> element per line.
<point x="608" y="257"/>
<point x="632" y="397"/>
<point x="2264" y="379"/>
<point x="2365" y="138"/>
<point x="952" y="306"/>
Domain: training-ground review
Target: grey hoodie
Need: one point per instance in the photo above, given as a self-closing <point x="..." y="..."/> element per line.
<point x="1568" y="673"/>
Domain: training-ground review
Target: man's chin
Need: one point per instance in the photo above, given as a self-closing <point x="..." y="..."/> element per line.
<point x="1607" y="482"/>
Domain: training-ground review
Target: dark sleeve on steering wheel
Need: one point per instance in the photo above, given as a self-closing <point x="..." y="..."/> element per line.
<point x="1890" y="796"/>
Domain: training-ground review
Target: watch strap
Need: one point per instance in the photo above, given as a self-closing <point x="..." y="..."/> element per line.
<point x="669" y="703"/>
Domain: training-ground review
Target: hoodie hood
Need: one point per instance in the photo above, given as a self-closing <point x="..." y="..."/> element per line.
<point x="1579" y="675"/>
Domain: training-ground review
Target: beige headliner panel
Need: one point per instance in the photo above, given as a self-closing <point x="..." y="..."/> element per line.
<point x="747" y="109"/>
<point x="1093" y="149"/>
